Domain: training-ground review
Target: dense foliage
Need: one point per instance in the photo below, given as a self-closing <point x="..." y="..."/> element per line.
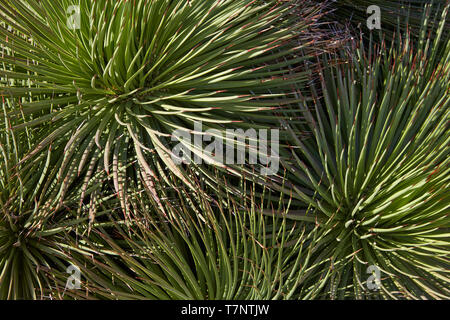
<point x="88" y="177"/>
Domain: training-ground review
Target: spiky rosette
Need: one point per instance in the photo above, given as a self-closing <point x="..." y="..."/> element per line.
<point x="109" y="85"/>
<point x="195" y="248"/>
<point x="375" y="176"/>
<point x="384" y="16"/>
<point x="36" y="233"/>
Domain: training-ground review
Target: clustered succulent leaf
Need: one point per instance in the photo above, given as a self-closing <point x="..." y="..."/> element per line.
<point x="88" y="178"/>
<point x="132" y="73"/>
<point x="376" y="170"/>
<point x="34" y="246"/>
<point x="393" y="14"/>
<point x="225" y="249"/>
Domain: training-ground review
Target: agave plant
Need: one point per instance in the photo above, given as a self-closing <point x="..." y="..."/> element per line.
<point x="35" y="237"/>
<point x="108" y="85"/>
<point x="92" y="92"/>
<point x="375" y="173"/>
<point x="404" y="13"/>
<point x="232" y="248"/>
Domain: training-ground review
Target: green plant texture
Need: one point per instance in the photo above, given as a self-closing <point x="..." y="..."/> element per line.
<point x="93" y="91"/>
